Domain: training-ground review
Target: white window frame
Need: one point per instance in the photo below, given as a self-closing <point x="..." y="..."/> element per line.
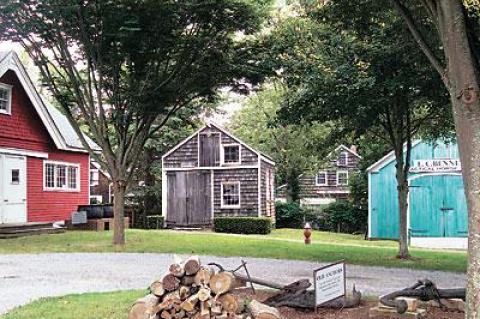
<point x="92" y="181"/>
<point x="7" y="87"/>
<point x="325" y="173"/>
<point x="342" y="172"/>
<point x="346" y="158"/>
<point x="66" y="189"/>
<point x="223" y="205"/>
<point x="222" y="153"/>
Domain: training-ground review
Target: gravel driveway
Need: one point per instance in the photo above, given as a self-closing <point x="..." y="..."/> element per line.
<point x="27" y="277"/>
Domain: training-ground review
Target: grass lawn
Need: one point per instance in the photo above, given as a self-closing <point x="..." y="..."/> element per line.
<point x="282" y="244"/>
<point x="112" y="305"/>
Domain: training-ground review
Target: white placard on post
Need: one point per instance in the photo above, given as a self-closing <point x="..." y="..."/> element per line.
<point x="330" y="282"/>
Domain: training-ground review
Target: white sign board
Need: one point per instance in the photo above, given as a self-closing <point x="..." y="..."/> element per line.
<point x="436" y="165"/>
<point x="330" y="282"/>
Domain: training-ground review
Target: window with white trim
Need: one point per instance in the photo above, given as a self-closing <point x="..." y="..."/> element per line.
<point x="94" y="177"/>
<point x="342" y="158"/>
<point x="60" y="176"/>
<point x="231" y="153"/>
<point x="342" y="178"/>
<point x="321" y="179"/>
<point x="5" y="98"/>
<point x="230" y="194"/>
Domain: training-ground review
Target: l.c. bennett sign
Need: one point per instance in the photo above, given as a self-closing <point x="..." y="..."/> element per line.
<point x="436" y="165"/>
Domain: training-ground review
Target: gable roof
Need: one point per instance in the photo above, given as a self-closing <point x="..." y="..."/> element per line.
<point x="387" y="159"/>
<point x="343" y="147"/>
<point x="211" y="124"/>
<point x="57" y="124"/>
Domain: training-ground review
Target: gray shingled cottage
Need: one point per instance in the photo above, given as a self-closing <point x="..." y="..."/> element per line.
<point x="211" y="174"/>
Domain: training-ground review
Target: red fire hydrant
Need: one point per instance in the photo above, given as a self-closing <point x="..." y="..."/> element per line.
<point x="307" y="232"/>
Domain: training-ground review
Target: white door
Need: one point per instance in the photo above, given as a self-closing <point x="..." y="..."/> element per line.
<point x="13" y="189"/>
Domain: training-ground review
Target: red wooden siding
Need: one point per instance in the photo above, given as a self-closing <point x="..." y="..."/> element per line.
<point x="54" y="205"/>
<point x="23" y="129"/>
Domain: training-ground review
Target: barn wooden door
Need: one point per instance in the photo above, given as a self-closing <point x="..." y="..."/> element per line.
<point x="189" y="198"/>
<point x="209" y="149"/>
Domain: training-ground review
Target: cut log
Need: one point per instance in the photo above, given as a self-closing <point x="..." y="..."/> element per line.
<point x="184" y="292"/>
<point x="262" y="311"/>
<point x="170" y="282"/>
<point x="139" y="309"/>
<point x="222" y="282"/>
<point x="177" y="270"/>
<point x="202" y="277"/>
<point x="192" y="265"/>
<point x="204" y="294"/>
<point x="156" y="288"/>
<point x="204" y="308"/>
<point x="187" y="280"/>
<point x="189" y="304"/>
<point x="229" y="303"/>
<point x="180" y="314"/>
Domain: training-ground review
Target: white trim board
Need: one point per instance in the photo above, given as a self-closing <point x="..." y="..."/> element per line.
<point x="218" y="168"/>
<point x="341" y="146"/>
<point x="440" y="242"/>
<point x="15" y="151"/>
<point x="387" y="159"/>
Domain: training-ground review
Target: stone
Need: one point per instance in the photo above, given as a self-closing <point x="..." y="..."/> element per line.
<point x="393" y="314"/>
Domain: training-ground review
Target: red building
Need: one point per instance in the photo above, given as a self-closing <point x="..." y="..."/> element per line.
<point x="44" y="170"/>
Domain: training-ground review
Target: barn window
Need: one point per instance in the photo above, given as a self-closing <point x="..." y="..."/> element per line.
<point x="61" y="176"/>
<point x="321" y="179"/>
<point x="15" y="176"/>
<point x="342" y="158"/>
<point x="94" y="177"/>
<point x="231" y="194"/>
<point x="5" y="98"/>
<point x="342" y="178"/>
<point x="231" y="153"/>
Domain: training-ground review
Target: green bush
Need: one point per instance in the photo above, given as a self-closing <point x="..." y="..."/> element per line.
<point x="243" y="225"/>
<point x="289" y="215"/>
<point x="344" y="217"/>
<point x="154" y="222"/>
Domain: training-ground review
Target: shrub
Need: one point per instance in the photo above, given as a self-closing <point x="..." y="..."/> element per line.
<point x="141" y="221"/>
<point x="243" y="225"/>
<point x="343" y="216"/>
<point x="289" y="215"/>
<point x="154" y="222"/>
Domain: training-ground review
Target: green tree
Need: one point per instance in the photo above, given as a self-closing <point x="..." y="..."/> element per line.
<point x="295" y="148"/>
<point x="448" y="34"/>
<point x="366" y="86"/>
<point x="124" y="67"/>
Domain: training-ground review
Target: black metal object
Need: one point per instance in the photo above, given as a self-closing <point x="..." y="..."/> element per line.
<point x="424" y="290"/>
<point x="97" y="211"/>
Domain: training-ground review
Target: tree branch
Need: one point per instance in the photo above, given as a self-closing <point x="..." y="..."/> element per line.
<point x="407" y="17"/>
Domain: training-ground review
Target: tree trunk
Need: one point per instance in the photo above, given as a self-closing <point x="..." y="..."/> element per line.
<point x="402" y="194"/>
<point x="463" y="84"/>
<point x="119" y="189"/>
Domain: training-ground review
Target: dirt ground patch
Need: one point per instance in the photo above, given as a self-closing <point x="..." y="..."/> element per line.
<point x="361" y="312"/>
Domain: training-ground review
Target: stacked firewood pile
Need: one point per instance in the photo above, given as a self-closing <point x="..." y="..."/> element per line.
<point x="192" y="290"/>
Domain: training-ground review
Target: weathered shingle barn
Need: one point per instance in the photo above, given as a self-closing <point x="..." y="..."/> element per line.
<point x="212" y="173"/>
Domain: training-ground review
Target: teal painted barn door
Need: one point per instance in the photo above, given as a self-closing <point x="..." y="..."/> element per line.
<point x="438" y="206"/>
